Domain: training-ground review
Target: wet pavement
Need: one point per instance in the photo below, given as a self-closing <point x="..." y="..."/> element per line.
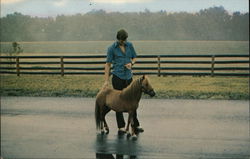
<point x="41" y="127"/>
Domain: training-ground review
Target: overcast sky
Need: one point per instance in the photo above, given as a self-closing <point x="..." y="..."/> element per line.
<point x="44" y="8"/>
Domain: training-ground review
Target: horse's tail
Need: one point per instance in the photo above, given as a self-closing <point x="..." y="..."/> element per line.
<point x="97" y="115"/>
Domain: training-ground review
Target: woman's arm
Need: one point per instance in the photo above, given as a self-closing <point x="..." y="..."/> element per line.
<point x="107" y="73"/>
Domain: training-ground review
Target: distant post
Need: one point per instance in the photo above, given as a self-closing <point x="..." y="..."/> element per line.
<point x="62" y="67"/>
<point x="17" y="66"/>
<point x="212" y="66"/>
<point x="159" y="65"/>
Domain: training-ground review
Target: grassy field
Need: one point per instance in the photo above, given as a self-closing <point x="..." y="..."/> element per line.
<point x="166" y="87"/>
<point x="142" y="47"/>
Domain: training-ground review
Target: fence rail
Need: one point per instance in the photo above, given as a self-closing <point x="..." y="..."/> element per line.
<point x="194" y="65"/>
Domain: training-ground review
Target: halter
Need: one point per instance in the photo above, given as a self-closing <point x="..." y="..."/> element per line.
<point x="143" y="89"/>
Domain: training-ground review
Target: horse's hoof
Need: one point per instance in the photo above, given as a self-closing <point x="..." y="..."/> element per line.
<point x="102" y="132"/>
<point x="107" y="131"/>
<point x="128" y="135"/>
<point x="134" y="137"/>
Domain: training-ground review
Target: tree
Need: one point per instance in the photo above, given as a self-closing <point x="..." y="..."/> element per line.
<point x="213" y="23"/>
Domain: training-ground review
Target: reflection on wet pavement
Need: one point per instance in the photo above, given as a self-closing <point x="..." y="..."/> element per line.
<point x="119" y="146"/>
<point x="111" y="156"/>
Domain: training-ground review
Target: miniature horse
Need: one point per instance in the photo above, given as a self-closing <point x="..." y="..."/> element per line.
<point x="126" y="100"/>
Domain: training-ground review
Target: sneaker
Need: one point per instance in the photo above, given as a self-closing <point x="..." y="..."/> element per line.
<point x="139" y="129"/>
<point x="121" y="131"/>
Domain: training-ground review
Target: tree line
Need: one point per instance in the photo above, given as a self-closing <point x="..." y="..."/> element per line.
<point x="213" y="23"/>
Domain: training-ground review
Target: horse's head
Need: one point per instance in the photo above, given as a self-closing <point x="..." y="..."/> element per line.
<point x="146" y="86"/>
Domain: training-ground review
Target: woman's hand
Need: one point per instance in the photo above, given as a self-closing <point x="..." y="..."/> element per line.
<point x="128" y="66"/>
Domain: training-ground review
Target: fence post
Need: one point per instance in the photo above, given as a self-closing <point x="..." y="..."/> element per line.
<point x="212" y="65"/>
<point x="62" y="67"/>
<point x="159" y="65"/>
<point x="17" y="66"/>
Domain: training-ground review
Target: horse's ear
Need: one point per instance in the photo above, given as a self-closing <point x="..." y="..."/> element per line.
<point x="141" y="79"/>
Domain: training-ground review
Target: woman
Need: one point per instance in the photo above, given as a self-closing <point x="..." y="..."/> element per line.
<point x="123" y="56"/>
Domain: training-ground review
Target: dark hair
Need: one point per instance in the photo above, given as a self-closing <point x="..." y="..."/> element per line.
<point x="122" y="35"/>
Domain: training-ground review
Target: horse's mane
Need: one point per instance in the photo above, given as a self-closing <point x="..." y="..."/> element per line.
<point x="133" y="91"/>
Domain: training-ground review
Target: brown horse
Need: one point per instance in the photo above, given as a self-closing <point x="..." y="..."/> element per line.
<point x="126" y="100"/>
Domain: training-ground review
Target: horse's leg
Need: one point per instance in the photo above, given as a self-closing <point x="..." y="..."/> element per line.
<point x="133" y="125"/>
<point x="106" y="110"/>
<point x="130" y="123"/>
<point x="102" y="119"/>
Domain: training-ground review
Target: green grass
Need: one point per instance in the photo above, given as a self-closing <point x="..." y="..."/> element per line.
<point x="142" y="47"/>
<point x="170" y="87"/>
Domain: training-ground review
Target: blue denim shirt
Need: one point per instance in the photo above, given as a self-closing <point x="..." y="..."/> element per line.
<point x="119" y="59"/>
